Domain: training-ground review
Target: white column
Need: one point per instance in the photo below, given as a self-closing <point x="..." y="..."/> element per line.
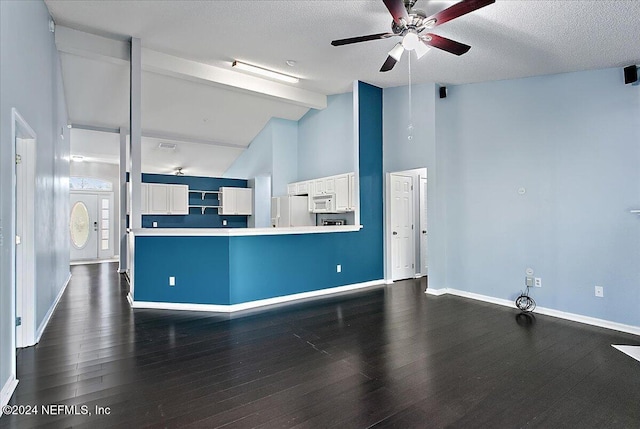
<point x="124" y="196"/>
<point x="136" y="133"/>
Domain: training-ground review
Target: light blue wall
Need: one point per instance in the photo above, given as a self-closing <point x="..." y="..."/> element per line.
<point x="402" y="153"/>
<point x="256" y="159"/>
<point x="325" y="139"/>
<point x="30" y="81"/>
<point x="272" y="152"/>
<point x="285" y="155"/>
<point x="573" y="142"/>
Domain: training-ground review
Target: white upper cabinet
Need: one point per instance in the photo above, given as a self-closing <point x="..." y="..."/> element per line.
<point x="158" y="198"/>
<point x="352" y="192"/>
<point x="179" y="199"/>
<point x="236" y="201"/>
<point x="342" y="186"/>
<point x="164" y="199"/>
<point x="342" y="193"/>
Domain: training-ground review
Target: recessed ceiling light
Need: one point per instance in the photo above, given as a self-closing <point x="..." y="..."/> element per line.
<point x="264" y="72"/>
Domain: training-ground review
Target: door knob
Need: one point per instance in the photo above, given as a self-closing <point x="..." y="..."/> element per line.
<point x="424" y="231"/>
<point x="395" y="233"/>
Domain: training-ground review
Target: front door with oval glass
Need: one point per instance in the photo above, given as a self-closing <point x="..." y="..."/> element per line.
<point x="89" y="226"/>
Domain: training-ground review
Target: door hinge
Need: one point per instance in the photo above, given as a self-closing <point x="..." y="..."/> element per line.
<point x="412" y="266"/>
<point x="18" y="159"/>
<point x="412" y="227"/>
<point x="18" y="321"/>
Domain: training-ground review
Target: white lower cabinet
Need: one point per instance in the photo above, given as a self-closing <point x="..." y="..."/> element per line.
<point x="236" y="201"/>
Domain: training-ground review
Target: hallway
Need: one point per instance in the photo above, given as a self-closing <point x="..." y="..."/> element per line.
<point x="385" y="357"/>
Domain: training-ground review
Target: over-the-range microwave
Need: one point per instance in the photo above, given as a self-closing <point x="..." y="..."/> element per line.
<point x="325" y="203"/>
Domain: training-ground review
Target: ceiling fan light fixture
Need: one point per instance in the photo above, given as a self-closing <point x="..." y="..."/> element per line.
<point x="421" y="49"/>
<point x="397" y="51"/>
<point x="264" y="72"/>
<point x="411" y="41"/>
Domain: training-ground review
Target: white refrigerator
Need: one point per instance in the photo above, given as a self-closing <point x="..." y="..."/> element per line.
<point x="291" y="210"/>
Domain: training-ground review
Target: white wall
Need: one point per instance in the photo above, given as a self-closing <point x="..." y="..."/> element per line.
<point x="30" y="81"/>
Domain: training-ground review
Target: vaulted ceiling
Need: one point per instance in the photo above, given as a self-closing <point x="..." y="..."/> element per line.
<point x="509" y="39"/>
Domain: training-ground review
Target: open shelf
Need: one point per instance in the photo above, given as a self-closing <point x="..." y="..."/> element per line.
<point x="202" y="193"/>
<point x="203" y="208"/>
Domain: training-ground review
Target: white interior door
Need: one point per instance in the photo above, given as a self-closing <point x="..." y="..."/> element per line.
<point x="423" y="233"/>
<point x="25" y="237"/>
<point x="402" y="232"/>
<point x="83" y="226"/>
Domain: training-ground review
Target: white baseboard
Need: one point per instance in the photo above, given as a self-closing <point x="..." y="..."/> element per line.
<point x="47" y="316"/>
<point x="602" y="323"/>
<point x="7" y="391"/>
<point x="388" y="282"/>
<point x="252" y="304"/>
<point x="435" y="292"/>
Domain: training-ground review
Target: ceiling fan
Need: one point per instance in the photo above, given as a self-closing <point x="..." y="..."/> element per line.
<point x="410" y="24"/>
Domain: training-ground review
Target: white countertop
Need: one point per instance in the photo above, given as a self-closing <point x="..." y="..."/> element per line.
<point x="239" y="232"/>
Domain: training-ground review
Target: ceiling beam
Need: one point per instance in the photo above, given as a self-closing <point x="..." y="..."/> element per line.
<point x="194" y="71"/>
<point x="89" y="45"/>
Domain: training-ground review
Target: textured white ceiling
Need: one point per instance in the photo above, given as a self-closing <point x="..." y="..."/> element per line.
<point x="509" y="39"/>
<point x="197" y="159"/>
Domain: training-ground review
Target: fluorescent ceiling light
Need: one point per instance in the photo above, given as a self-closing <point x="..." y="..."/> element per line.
<point x="165" y="145"/>
<point x="264" y="72"/>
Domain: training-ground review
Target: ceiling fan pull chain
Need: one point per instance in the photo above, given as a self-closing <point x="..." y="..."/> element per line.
<point x="410" y="126"/>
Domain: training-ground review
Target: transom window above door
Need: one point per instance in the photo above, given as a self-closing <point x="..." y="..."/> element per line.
<point x="77" y="183"/>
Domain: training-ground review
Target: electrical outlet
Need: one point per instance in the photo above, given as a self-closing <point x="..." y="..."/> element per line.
<point x="338" y="268"/>
<point x="537" y="282"/>
<point x="528" y="281"/>
<point x="224" y="222"/>
<point x="172" y="281"/>
<point x="155" y="224"/>
<point x="599" y="291"/>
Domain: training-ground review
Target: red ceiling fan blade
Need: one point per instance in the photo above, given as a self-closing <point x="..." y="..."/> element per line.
<point x="397" y="10"/>
<point x="358" y="39"/>
<point x="388" y="64"/>
<point x="448" y="45"/>
<point x="458" y="9"/>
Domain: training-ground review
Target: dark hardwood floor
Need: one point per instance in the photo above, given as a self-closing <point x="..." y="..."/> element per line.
<point x="390" y="357"/>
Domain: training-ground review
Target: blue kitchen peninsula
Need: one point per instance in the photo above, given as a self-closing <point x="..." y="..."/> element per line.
<point x="230" y="269"/>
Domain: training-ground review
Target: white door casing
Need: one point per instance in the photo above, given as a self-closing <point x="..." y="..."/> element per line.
<point x="423" y="232"/>
<point x="402" y="223"/>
